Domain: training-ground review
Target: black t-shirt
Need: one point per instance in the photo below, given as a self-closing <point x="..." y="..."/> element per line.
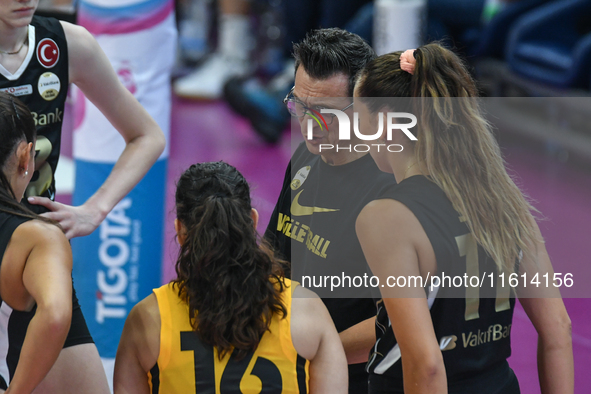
<point x="313" y="227"/>
<point x="42" y="84"/>
<point x="473" y="332"/>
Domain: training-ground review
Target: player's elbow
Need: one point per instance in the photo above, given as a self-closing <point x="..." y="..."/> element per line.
<point x="57" y="318"/>
<point x="59" y="325"/>
<point x="565" y="326"/>
<point x="160" y="141"/>
<point x="156" y="139"/>
<point x="560" y="335"/>
<point x="56" y="310"/>
<point x="431" y="369"/>
<point x="427" y="374"/>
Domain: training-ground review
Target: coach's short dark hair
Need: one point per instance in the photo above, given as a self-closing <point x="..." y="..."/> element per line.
<point x="326" y="52"/>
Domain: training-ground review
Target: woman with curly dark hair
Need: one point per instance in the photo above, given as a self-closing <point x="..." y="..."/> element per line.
<point x="230" y="321"/>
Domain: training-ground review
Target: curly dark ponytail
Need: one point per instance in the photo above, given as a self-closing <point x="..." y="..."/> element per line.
<point x="231" y="283"/>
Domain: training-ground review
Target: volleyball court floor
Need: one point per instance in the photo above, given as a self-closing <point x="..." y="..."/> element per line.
<point x="204" y="131"/>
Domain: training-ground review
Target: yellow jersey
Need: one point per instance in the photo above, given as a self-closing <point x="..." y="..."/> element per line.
<point x="186" y="365"/>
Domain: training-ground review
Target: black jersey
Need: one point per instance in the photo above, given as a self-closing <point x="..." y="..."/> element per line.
<point x="313" y="227"/>
<point x="12" y="327"/>
<point x="473" y="331"/>
<point x="42" y="84"/>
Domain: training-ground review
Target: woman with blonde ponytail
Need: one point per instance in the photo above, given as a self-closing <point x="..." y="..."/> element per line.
<point x="455" y="214"/>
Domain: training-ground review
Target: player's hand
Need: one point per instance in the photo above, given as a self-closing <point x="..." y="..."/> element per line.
<point x="76" y="221"/>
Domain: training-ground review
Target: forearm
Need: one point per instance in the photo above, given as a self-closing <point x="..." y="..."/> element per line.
<point x="91" y="70"/>
<point x="136" y="159"/>
<point x="358" y="340"/>
<point x="45" y="338"/>
<point x="555" y="366"/>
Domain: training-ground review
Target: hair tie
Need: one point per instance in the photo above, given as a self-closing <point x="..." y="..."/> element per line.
<point x="408" y="61"/>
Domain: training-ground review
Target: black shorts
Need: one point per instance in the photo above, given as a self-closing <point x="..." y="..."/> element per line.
<point x="78" y="333"/>
<point x="357" y="379"/>
<point x="498" y="380"/>
<point x="17" y="328"/>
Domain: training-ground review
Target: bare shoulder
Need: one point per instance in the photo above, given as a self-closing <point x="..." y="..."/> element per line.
<point x="394" y="243"/>
<point x="384" y="211"/>
<point x="145" y="314"/>
<point x="376" y="220"/>
<point x="305" y="305"/>
<point x="29" y="237"/>
<point x="139" y="347"/>
<point x="141" y="334"/>
<point x="35" y="248"/>
<point x="75" y="34"/>
<point x="300" y="292"/>
<point x="83" y="51"/>
<point x="310" y="322"/>
<point x="37" y="232"/>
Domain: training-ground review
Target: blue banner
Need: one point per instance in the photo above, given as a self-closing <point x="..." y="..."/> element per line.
<point x="120" y="262"/>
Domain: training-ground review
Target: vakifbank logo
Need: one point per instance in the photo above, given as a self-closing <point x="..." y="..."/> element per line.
<point x="345" y="130"/>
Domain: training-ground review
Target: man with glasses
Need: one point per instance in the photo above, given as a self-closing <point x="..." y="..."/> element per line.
<point x="313" y="224"/>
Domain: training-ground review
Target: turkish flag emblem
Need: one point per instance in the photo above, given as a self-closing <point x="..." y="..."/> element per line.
<point x="48" y="53"/>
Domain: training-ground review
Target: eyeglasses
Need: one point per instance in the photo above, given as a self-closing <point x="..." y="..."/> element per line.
<point x="298" y="109"/>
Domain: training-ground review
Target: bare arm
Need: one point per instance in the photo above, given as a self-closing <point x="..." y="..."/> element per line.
<point x="547" y="312"/>
<point x="315" y="338"/>
<point x="138" y="348"/>
<point x="358" y="340"/>
<point x="389" y="235"/>
<point x="47" y="278"/>
<point x="92" y="72"/>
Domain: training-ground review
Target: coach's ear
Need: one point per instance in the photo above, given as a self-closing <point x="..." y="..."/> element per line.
<point x="254" y="214"/>
<point x="181" y="231"/>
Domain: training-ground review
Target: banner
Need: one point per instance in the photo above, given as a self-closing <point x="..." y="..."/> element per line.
<point x="120" y="263"/>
